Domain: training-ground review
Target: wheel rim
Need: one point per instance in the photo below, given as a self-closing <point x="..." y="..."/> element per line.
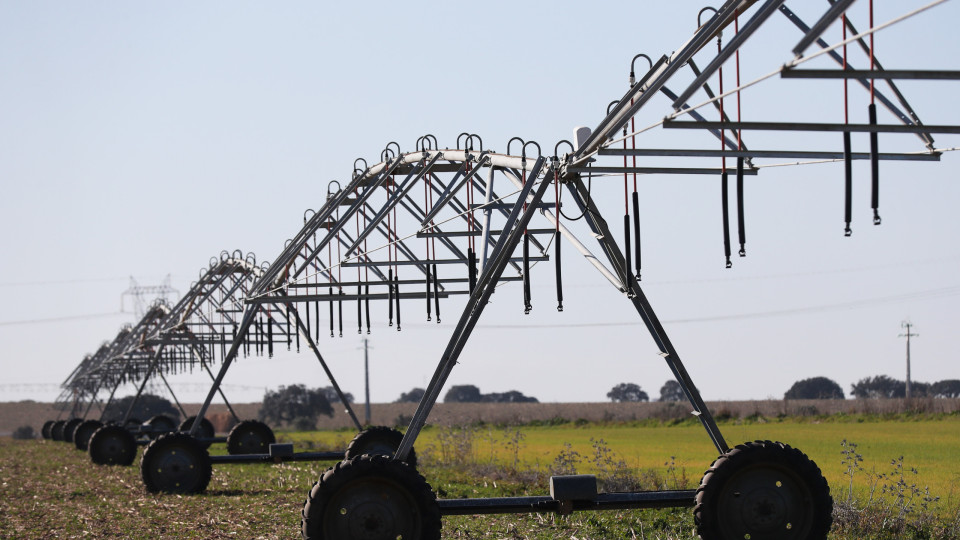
<point x="766" y="501"/>
<point x="381" y="447"/>
<point x="372" y="508"/>
<point x="175" y="468"/>
<point x="252" y="442"/>
<point x="113" y="448"/>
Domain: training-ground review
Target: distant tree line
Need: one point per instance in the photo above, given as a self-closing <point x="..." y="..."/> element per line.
<point x="468" y="393"/>
<point x="880" y="386"/>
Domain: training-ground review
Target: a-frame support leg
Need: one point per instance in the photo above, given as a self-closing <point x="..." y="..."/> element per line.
<point x="639" y="300"/>
<point x="486" y="284"/>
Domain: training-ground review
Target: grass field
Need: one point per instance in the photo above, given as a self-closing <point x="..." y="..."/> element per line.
<point x="49" y="490"/>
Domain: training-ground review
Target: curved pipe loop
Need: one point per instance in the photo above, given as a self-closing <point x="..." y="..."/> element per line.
<point x="224" y="255"/>
<point x="388" y="154"/>
<point x="251" y="258"/>
<point x="330" y="192"/>
<point x="524" y="152"/>
<point x="287" y="242"/>
<point x="511" y="142"/>
<point x="467" y="142"/>
<point x="427" y="142"/>
<point x="479" y="141"/>
<point x="309" y="212"/>
<point x="213" y="262"/>
<point x="237" y="254"/>
<point x="357" y="169"/>
<point x="633" y="77"/>
<point x="556" y="147"/>
<point x="699" y="15"/>
<point x="264" y="266"/>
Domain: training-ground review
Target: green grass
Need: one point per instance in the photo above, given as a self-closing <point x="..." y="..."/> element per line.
<point x="48" y="489"/>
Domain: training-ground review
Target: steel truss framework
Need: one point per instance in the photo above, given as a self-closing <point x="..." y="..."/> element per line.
<point x="434" y="223"/>
<point x="194" y="333"/>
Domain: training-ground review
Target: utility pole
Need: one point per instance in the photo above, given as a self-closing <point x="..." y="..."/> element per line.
<point x="908" y="325"/>
<point x="366" y="378"/>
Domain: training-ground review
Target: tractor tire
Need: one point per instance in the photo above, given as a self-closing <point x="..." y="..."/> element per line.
<point x="56" y="430"/>
<point x="81" y="437"/>
<point x="70" y="428"/>
<point x="112" y="445"/>
<point x="763" y="490"/>
<point x="160" y="424"/>
<point x="380" y="440"/>
<point x="371" y="496"/>
<point x="250" y="437"/>
<point x="175" y="463"/>
<point x="45" y="430"/>
<point x="205" y="432"/>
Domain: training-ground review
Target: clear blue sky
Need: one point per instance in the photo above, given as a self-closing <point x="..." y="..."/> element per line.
<point x="140" y="139"/>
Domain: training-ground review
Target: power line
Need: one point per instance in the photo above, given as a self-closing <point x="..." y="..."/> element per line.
<point x="63" y="319"/>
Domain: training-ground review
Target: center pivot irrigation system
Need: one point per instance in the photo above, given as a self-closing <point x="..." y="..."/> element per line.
<point x="421" y="228"/>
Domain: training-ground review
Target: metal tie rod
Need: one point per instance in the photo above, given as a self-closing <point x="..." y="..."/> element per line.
<point x="821" y="26"/>
<point x="437" y="261"/>
<point x="653" y="170"/>
<point x="804" y="126"/>
<point x="864" y="74"/>
<point x="478" y="233"/>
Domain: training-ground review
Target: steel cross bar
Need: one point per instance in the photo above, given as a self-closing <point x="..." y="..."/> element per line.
<point x="575" y="242"/>
<point x="661" y="72"/>
<point x="416" y="174"/>
<point x="174" y="396"/>
<point x="785" y="154"/>
<point x="300" y="240"/>
<point x="248" y="317"/>
<point x="727" y="141"/>
<point x="910" y="74"/>
<point x="146" y="377"/>
<point x="333" y="381"/>
<point x="656" y="170"/>
<point x="357" y="204"/>
<point x="912" y="119"/>
<point x="223" y="396"/>
<point x="809" y="126"/>
<point x="508" y="241"/>
<point x="193" y="306"/>
<point x="654" y="327"/>
<point x="451" y="191"/>
<point x="723" y="114"/>
<point x="821" y="26"/>
<point x="765" y="11"/>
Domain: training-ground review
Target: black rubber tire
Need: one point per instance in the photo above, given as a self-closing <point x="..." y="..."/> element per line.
<point x="763" y="490"/>
<point x="371" y="496"/>
<point x="205" y="431"/>
<point x="133" y="422"/>
<point x="379" y="440"/>
<point x="45" y="430"/>
<point x="81" y="437"/>
<point x="160" y="424"/>
<point x="70" y="428"/>
<point x="175" y="463"/>
<point x="250" y="437"/>
<point x="56" y="430"/>
<point x="112" y="445"/>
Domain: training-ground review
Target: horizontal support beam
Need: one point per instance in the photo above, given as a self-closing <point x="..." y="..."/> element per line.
<point x="267" y="458"/>
<point x="381" y="283"/>
<point x="509" y="206"/>
<point x="804" y="126"/>
<point x="477" y="233"/>
<point x="346" y="297"/>
<point x="437" y="261"/>
<point x="865" y="74"/>
<point x="604" y="501"/>
<point x="782" y="154"/>
<point x="655" y="170"/>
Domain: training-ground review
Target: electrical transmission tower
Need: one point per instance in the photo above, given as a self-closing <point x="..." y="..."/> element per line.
<point x="144" y="295"/>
